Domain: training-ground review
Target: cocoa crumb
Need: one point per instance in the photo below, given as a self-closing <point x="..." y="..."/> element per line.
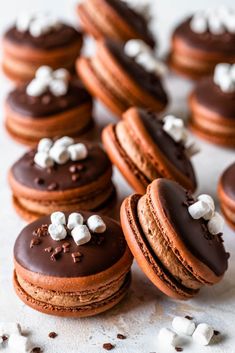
<point x="4" y="338"/>
<point x="216" y="333"/>
<point x="188" y="317"/>
<point x="108" y="346"/>
<point x="49" y="249"/>
<point x="36" y="350"/>
<point x="179" y="349"/>
<point x="121" y="337"/>
<point x="34" y="242"/>
<point x="52" y="335"/>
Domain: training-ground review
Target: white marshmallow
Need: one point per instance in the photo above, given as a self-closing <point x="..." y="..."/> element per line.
<point x="44" y="145"/>
<point x="198" y="209"/>
<point x="183" y="325"/>
<point x="150" y="63"/>
<point x="77" y="152"/>
<point x="220" y="71"/>
<point x="96" y="224"/>
<point x="203" y="334"/>
<point x="61" y="74"/>
<point x="74" y="220"/>
<point x="226" y="84"/>
<point x="36" y="29"/>
<point x="43" y="160"/>
<point x="209" y="200"/>
<point x="167" y="337"/>
<point x="57" y="231"/>
<point x="198" y="24"/>
<point x="64" y="141"/>
<point x="36" y="88"/>
<point x="134" y="47"/>
<point x="44" y="72"/>
<point x="216" y="224"/>
<point x="22" y="22"/>
<point x="174" y="127"/>
<point x="58" y="218"/>
<point x="229" y="23"/>
<point x="19" y="344"/>
<point x="81" y="234"/>
<point x="232" y="71"/>
<point x="59" y="154"/>
<point x="58" y="87"/>
<point x="9" y="328"/>
<point x="215" y="24"/>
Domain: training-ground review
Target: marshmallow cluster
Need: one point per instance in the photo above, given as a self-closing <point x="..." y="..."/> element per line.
<point x="37" y="24"/>
<point x="16" y="341"/>
<point x="144" y="56"/>
<point x="57" y="82"/>
<point x="204" y="207"/>
<point x="202" y="334"/>
<point x="80" y="232"/>
<point x="224" y="77"/>
<point x="175" y="128"/>
<point x="216" y="21"/>
<point x="60" y="151"/>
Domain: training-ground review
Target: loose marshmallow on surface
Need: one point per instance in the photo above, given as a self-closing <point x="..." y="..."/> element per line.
<point x="203" y="334"/>
<point x="198" y="209"/>
<point x="9" y="328"/>
<point x="19" y="344"/>
<point x="74" y="220"/>
<point x="43" y="160"/>
<point x="59" y="154"/>
<point x="78" y="152"/>
<point x="216" y="224"/>
<point x="58" y="218"/>
<point x="44" y="145"/>
<point x="96" y="224"/>
<point x="57" y="231"/>
<point x="81" y="234"/>
<point x="183" y="325"/>
<point x="167" y="337"/>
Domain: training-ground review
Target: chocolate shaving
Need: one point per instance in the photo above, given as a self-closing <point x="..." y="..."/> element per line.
<point x="108" y="346"/>
<point x="56" y="253"/>
<point x="49" y="249"/>
<point x="76" y="256"/>
<point x="66" y="247"/>
<point x="35" y="241"/>
<point x="41" y="231"/>
<point x="52" y="186"/>
<point x="121" y="337"/>
<point x="52" y="335"/>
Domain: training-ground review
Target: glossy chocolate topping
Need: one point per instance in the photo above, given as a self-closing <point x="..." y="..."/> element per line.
<point x="194" y="233"/>
<point x="228" y="181"/>
<point x="47" y="104"/>
<point x="67" y="176"/>
<point x="149" y="82"/>
<point x="173" y="151"/>
<point x="223" y="43"/>
<point x="102" y="252"/>
<point x="61" y="37"/>
<point x="210" y="96"/>
<point x="134" y="19"/>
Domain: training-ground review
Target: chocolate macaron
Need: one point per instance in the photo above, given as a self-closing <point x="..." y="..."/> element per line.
<point x="175" y="239"/>
<point x="202" y="41"/>
<point x="145" y="147"/>
<point x="116" y="21"/>
<point x="38" y="39"/>
<point x="51" y="105"/>
<point x="226" y="190"/>
<point x="119" y="81"/>
<point x="62" y="174"/>
<point x="62" y="267"/>
<point x="212" y="105"/>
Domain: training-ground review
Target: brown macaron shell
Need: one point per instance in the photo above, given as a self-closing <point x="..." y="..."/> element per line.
<point x="23" y="54"/>
<point x="213" y="113"/>
<point x="226" y="192"/>
<point x="116" y="21"/>
<point x="148" y="151"/>
<point x="85" y="185"/>
<point x="118" y="81"/>
<point x="84" y="288"/>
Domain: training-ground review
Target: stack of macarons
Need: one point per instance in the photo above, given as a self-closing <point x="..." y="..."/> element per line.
<point x="74" y="258"/>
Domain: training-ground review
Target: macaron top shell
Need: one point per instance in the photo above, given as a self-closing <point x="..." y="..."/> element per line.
<point x="99" y="254"/>
<point x="207" y="41"/>
<point x="228" y="182"/>
<point x="171" y="201"/>
<point x="210" y="96"/>
<point x="61" y="37"/>
<point x="27" y="173"/>
<point x="47" y="104"/>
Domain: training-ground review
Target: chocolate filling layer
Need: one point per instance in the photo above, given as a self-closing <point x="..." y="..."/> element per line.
<point x="228" y="181"/>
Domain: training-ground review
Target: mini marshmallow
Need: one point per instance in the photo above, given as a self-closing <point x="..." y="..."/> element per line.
<point x="229" y="23"/>
<point x="183" y="325"/>
<point x="198" y="209"/>
<point x="81" y="234"/>
<point x="36" y="88"/>
<point x="226" y="84"/>
<point x="203" y="334"/>
<point x="198" y="24"/>
<point x="43" y="160"/>
<point x="167" y="337"/>
<point x="150" y="63"/>
<point x="209" y="200"/>
<point x="216" y="224"/>
<point x="58" y="87"/>
<point x="232" y="71"/>
<point x="96" y="224"/>
<point x="220" y="71"/>
<point x="57" y="231"/>
<point x="19" y="344"/>
<point x="61" y="74"/>
<point x="9" y="328"/>
<point x="64" y="141"/>
<point x="77" y="152"/>
<point x="36" y="29"/>
<point x="44" y="72"/>
<point x="74" y="220"/>
<point x="44" y="145"/>
<point x="215" y="25"/>
<point x="134" y="47"/>
<point x="58" y="218"/>
<point x="174" y="127"/>
<point x="59" y="154"/>
<point x="22" y="22"/>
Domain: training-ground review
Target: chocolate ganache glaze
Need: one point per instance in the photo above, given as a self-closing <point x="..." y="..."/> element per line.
<point x="208" y="42"/>
<point x="208" y="94"/>
<point x="103" y="251"/>
<point x="66" y="176"/>
<point x="134" y="19"/>
<point x="194" y="233"/>
<point x="228" y="181"/>
<point x="59" y="38"/>
<point x="47" y="104"/>
<point x="149" y="82"/>
<point x="173" y="151"/>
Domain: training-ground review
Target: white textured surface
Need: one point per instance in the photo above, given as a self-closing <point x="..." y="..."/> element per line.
<point x="145" y="310"/>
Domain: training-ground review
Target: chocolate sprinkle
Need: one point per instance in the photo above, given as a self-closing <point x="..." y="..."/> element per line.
<point x="52" y="335"/>
<point x="76" y="257"/>
<point x="108" y="346"/>
<point x="121" y="337"/>
<point x="34" y="241"/>
<point x="66" y="247"/>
